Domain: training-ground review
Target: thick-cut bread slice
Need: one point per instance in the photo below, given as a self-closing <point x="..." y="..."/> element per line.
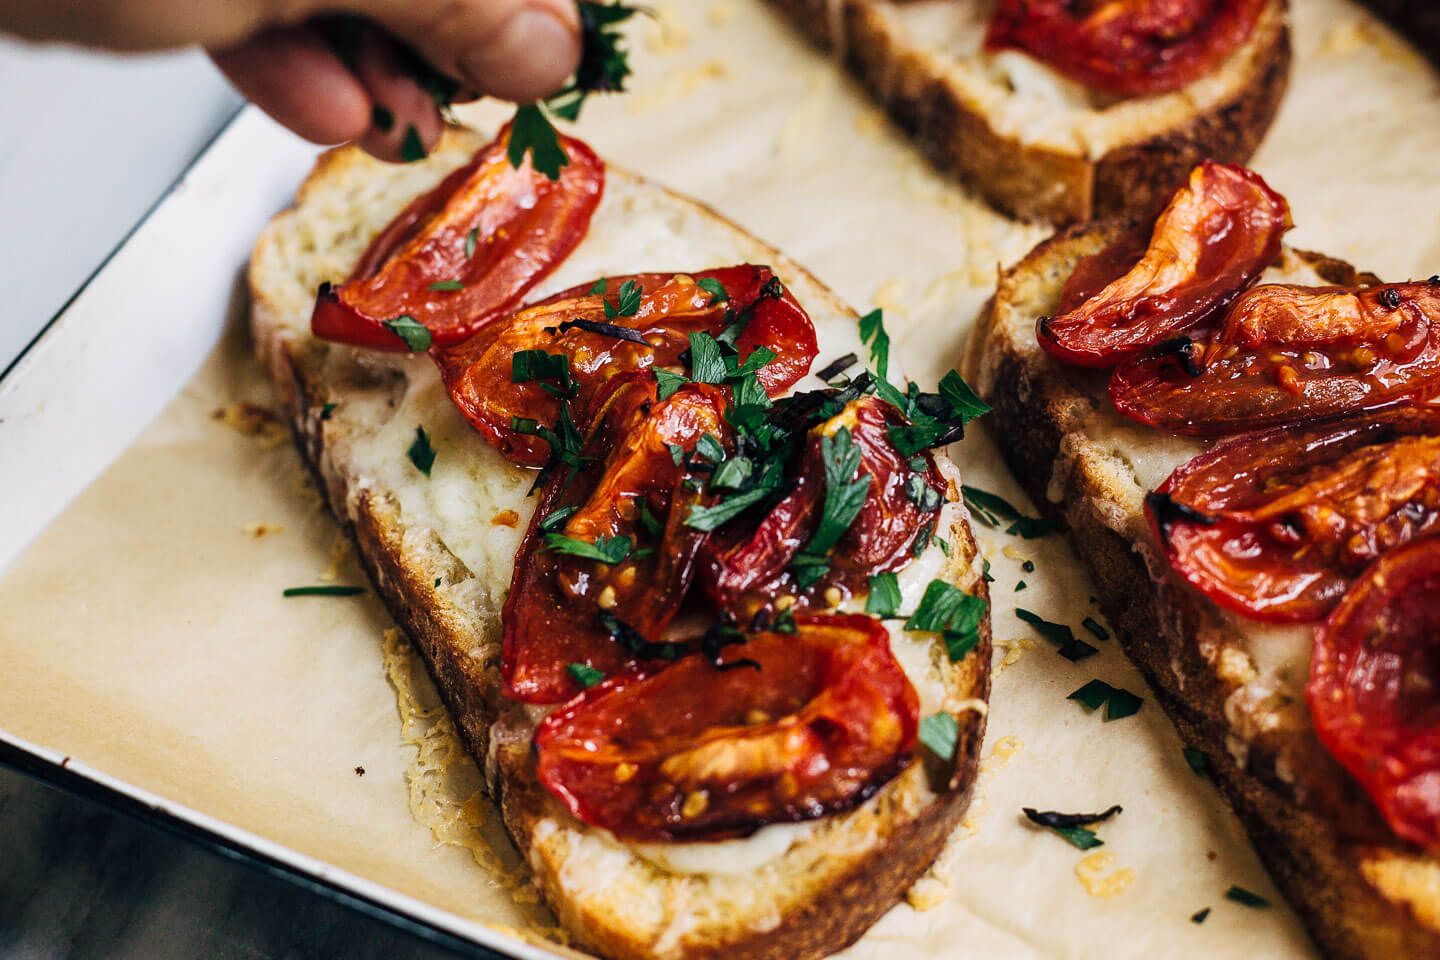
<point x="1234" y="688"/>
<point x="1032" y="143"/>
<point x="440" y="551"/>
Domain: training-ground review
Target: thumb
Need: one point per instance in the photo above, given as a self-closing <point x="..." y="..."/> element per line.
<point x="512" y="49"/>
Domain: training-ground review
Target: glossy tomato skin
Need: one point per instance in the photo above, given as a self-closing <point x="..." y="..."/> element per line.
<point x="1374" y="673"/>
<point x="1277" y="525"/>
<point x="552" y="616"/>
<point x="1285" y="354"/>
<point x="1214" y="239"/>
<point x="823" y="720"/>
<point x="524" y="226"/>
<point x="744" y="570"/>
<point x="1126" y="47"/>
<point x="478" y="372"/>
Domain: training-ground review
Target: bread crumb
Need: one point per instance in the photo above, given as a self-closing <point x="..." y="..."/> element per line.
<point x="1011" y="551"/>
<point x="1013" y="651"/>
<point x="870" y="122"/>
<point x="259" y="530"/>
<point x="253" y="420"/>
<point x="505" y="518"/>
<point x="359" y="771"/>
<point x="1001" y="754"/>
<point x="1091" y="872"/>
<point x="339" y="553"/>
<point x="676" y="86"/>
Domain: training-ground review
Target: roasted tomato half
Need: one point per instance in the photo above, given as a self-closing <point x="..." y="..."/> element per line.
<point x="746" y="570"/>
<point x="1277" y="525"/>
<point x="651" y="329"/>
<point x="1126" y="47"/>
<point x="464" y="253"/>
<point x="1286" y="354"/>
<point x="787" y="727"/>
<point x="1374" y="687"/>
<point x="1215" y="238"/>
<point x="568" y="602"/>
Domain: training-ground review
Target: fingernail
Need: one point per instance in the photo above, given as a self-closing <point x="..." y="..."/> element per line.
<point x="529" y="58"/>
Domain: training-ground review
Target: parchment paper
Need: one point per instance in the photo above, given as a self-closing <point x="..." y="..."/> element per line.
<point x="145" y="633"/>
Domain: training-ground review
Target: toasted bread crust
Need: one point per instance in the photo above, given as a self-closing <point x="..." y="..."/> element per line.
<point x="1030" y="181"/>
<point x="817" y="914"/>
<point x="1327" y="866"/>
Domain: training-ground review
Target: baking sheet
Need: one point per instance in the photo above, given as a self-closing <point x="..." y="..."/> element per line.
<point x="145" y="633"/>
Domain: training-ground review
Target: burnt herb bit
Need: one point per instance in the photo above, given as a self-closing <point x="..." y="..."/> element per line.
<point x="723" y="633"/>
<point x="407" y="328"/>
<point x="1074" y="827"/>
<point x="1028" y="566"/>
<point x="604" y="67"/>
<point x="1168" y="512"/>
<point x="951" y="612"/>
<point x="924" y="496"/>
<point x="610" y="550"/>
<point x="442" y="286"/>
<point x="421" y="453"/>
<point x="1198" y="760"/>
<point x="323" y="591"/>
<point x="1093" y="625"/>
<point x="1071" y="648"/>
<point x="992" y="510"/>
<point x="836" y="367"/>
<point x="631" y="639"/>
<point x="715" y="288"/>
<point x="667" y="383"/>
<point x="1243" y="896"/>
<point x="935" y="418"/>
<point x="1199" y="915"/>
<point x="584" y="674"/>
<point x="873" y="335"/>
<point x="327" y="409"/>
<point x="884" y="599"/>
<point x="940" y="733"/>
<point x="603" y="329"/>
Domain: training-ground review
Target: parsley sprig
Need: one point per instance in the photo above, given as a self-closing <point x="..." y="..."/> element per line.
<point x="604" y="67"/>
<point x="845" y="490"/>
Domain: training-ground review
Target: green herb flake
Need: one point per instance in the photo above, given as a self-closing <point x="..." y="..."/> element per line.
<point x="556" y="519"/>
<point x="609" y="550"/>
<point x="873" y="335"/>
<point x="710" y="448"/>
<point x="1242" y="896"/>
<point x="531" y="132"/>
<point x="324" y="591"/>
<point x="713" y="287"/>
<point x="1020" y="586"/>
<point x="1093" y="695"/>
<point x="667" y="383"/>
<point x="1093" y="625"/>
<point x="599" y="288"/>
<point x="951" y="612"/>
<point x="884" y="599"/>
<point x="1070" y="647"/>
<point x="709" y="518"/>
<point x="327" y="409"/>
<point x="471" y="239"/>
<point x="677" y="453"/>
<point x="627" y="301"/>
<point x="944" y="545"/>
<point x="706" y="363"/>
<point x="1081" y="838"/>
<point x="1122" y="704"/>
<point x="964" y="404"/>
<point x="1199" y="915"/>
<point x="940" y="733"/>
<point x="412" y="148"/>
<point x="1198" y="760"/>
<point x="584" y="674"/>
<point x="732" y="474"/>
<point x="442" y="286"/>
<point x="421" y="453"/>
<point x="649" y="524"/>
<point x="416" y="335"/>
<point x="992" y="510"/>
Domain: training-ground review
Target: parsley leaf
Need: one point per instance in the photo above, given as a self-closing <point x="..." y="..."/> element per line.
<point x="1071" y="648"/>
<point x="1199" y="915"/>
<point x="706" y="363"/>
<point x="421" y="453"/>
<point x="844" y="497"/>
<point x="951" y="612"/>
<point x="924" y="496"/>
<point x="649" y="524"/>
<point x="961" y="400"/>
<point x="873" y="335"/>
<point x="556" y="519"/>
<point x="1243" y="896"/>
<point x="713" y="287"/>
<point x="939" y="732"/>
<point x="1093" y="695"/>
<point x="609" y="550"/>
<point x="627" y="303"/>
<point x="441" y="286"/>
<point x="1199" y="760"/>
<point x="991" y="509"/>
<point x="884" y="599"/>
<point x="677" y="453"/>
<point x="710" y="448"/>
<point x="709" y="518"/>
<point x="732" y="474"/>
<point x="1119" y="703"/>
<point x="407" y="328"/>
<point x="758" y="359"/>
<point x="531" y="132"/>
<point x="668" y="382"/>
<point x="584" y="674"/>
<point x="528" y="365"/>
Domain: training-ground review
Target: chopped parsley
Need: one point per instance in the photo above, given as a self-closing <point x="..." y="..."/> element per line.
<point x="326" y="409"/>
<point x="939" y="732"/>
<point x="873" y="335"/>
<point x="1119" y="703"/>
<point x="710" y="448"/>
<point x="584" y="674"/>
<point x="1071" y="648"/>
<point x="951" y="612"/>
<point x="884" y="599"/>
<point x="412" y="148"/>
<point x="1243" y="896"/>
<point x="441" y="286"/>
<point x="668" y="382"/>
<point x="935" y="419"/>
<point x="564" y="440"/>
<point x="540" y="366"/>
<point x="677" y="453"/>
<point x="649" y="524"/>
<point x="1020" y="586"/>
<point x="992" y="510"/>
<point x="471" y="239"/>
<point x="609" y="550"/>
<point x="407" y="328"/>
<point x="713" y="287"/>
<point x="627" y="302"/>
<point x="556" y="519"/>
<point x="324" y="591"/>
<point x="706" y="363"/>
<point x="844" y="497"/>
<point x="1199" y="760"/>
<point x="421" y="453"/>
<point x="732" y="474"/>
<point x="1091" y="624"/>
<point x="924" y="496"/>
<point x="1199" y="915"/>
<point x="708" y="518"/>
<point x="604" y="67"/>
<point x="922" y="540"/>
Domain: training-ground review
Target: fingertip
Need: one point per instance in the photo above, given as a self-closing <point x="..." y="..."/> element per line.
<point x="292" y="75"/>
<point x="529" y="57"/>
<point x="405" y="124"/>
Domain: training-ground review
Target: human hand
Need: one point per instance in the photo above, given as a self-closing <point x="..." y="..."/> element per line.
<point x="280" y="53"/>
